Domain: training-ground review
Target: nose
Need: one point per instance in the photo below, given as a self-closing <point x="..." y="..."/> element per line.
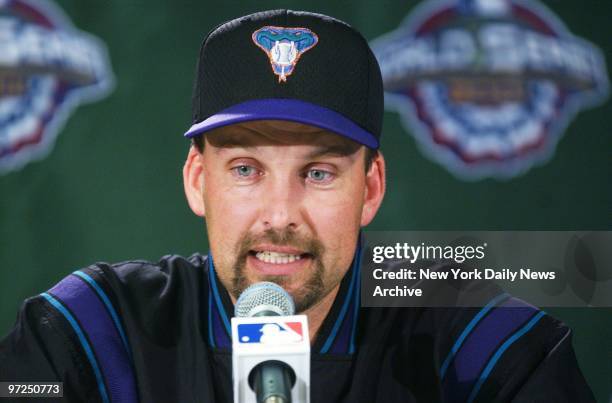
<point x="282" y="203"/>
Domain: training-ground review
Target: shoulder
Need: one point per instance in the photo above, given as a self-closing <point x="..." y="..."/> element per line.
<point x="482" y="344"/>
<point x="149" y="273"/>
<point x="87" y="328"/>
<point x="135" y="279"/>
<point x="147" y="277"/>
<point x="131" y="289"/>
<point x="491" y="353"/>
<point x="506" y="350"/>
<point x="500" y="350"/>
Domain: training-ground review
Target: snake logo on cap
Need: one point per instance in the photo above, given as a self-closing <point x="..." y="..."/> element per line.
<point x="284" y="47"/>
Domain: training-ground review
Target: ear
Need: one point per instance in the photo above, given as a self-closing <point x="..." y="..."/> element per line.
<point x="375" y="184"/>
<point x="193" y="181"/>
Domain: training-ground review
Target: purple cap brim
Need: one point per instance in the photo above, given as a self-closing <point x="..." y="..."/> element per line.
<point x="286" y="109"/>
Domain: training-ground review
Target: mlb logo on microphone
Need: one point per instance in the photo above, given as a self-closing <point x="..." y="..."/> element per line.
<point x="274" y="333"/>
<point x="270" y="338"/>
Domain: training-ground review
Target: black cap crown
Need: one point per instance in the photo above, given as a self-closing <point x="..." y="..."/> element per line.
<point x="289" y="63"/>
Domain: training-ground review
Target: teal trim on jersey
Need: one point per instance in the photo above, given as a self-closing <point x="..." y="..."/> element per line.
<point x="211" y="339"/>
<point x="84" y="343"/>
<point x="220" y="308"/>
<point x="109" y="307"/>
<point x="489" y="367"/>
<point x="468" y="329"/>
<point x="355" y="273"/>
<point x="357" y="296"/>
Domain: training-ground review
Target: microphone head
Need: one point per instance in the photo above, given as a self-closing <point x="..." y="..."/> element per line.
<point x="264" y="299"/>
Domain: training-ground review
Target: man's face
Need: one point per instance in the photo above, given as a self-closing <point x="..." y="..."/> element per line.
<point x="283" y="202"/>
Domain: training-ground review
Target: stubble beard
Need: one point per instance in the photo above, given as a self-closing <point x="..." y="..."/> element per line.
<point x="308" y="294"/>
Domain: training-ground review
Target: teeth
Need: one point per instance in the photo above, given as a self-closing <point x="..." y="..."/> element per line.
<point x="276" y="258"/>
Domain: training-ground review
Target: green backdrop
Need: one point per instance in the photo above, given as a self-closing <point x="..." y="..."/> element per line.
<point x="110" y="189"/>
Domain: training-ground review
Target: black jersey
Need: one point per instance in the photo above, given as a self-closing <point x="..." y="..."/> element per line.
<point x="159" y="332"/>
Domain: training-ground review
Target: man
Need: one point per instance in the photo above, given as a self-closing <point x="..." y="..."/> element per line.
<point x="285" y="169"/>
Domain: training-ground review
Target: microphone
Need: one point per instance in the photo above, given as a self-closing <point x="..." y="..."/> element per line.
<point x="271" y="347"/>
<point x="264" y="299"/>
<point x="271" y="380"/>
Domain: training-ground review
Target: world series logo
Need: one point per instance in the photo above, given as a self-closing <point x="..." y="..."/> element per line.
<point x="487" y="87"/>
<point x="47" y="68"/>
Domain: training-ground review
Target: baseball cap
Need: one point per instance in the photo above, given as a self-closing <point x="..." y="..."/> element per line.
<point x="289" y="65"/>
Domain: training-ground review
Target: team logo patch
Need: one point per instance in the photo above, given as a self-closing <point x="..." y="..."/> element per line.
<point x="47" y="68"/>
<point x="271" y="333"/>
<point x="284" y="47"/>
<point x="487" y="87"/>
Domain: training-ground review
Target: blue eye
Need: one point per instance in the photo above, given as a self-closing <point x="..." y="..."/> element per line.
<point x="244" y="170"/>
<point x="318" y="175"/>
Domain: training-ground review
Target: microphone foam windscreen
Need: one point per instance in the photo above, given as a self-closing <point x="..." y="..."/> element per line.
<point x="264" y="297"/>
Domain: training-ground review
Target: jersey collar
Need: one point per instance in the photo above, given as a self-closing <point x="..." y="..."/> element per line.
<point x="338" y="330"/>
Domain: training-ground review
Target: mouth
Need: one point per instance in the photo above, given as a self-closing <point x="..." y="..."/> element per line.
<point x="273" y="260"/>
<point x="277" y="258"/>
